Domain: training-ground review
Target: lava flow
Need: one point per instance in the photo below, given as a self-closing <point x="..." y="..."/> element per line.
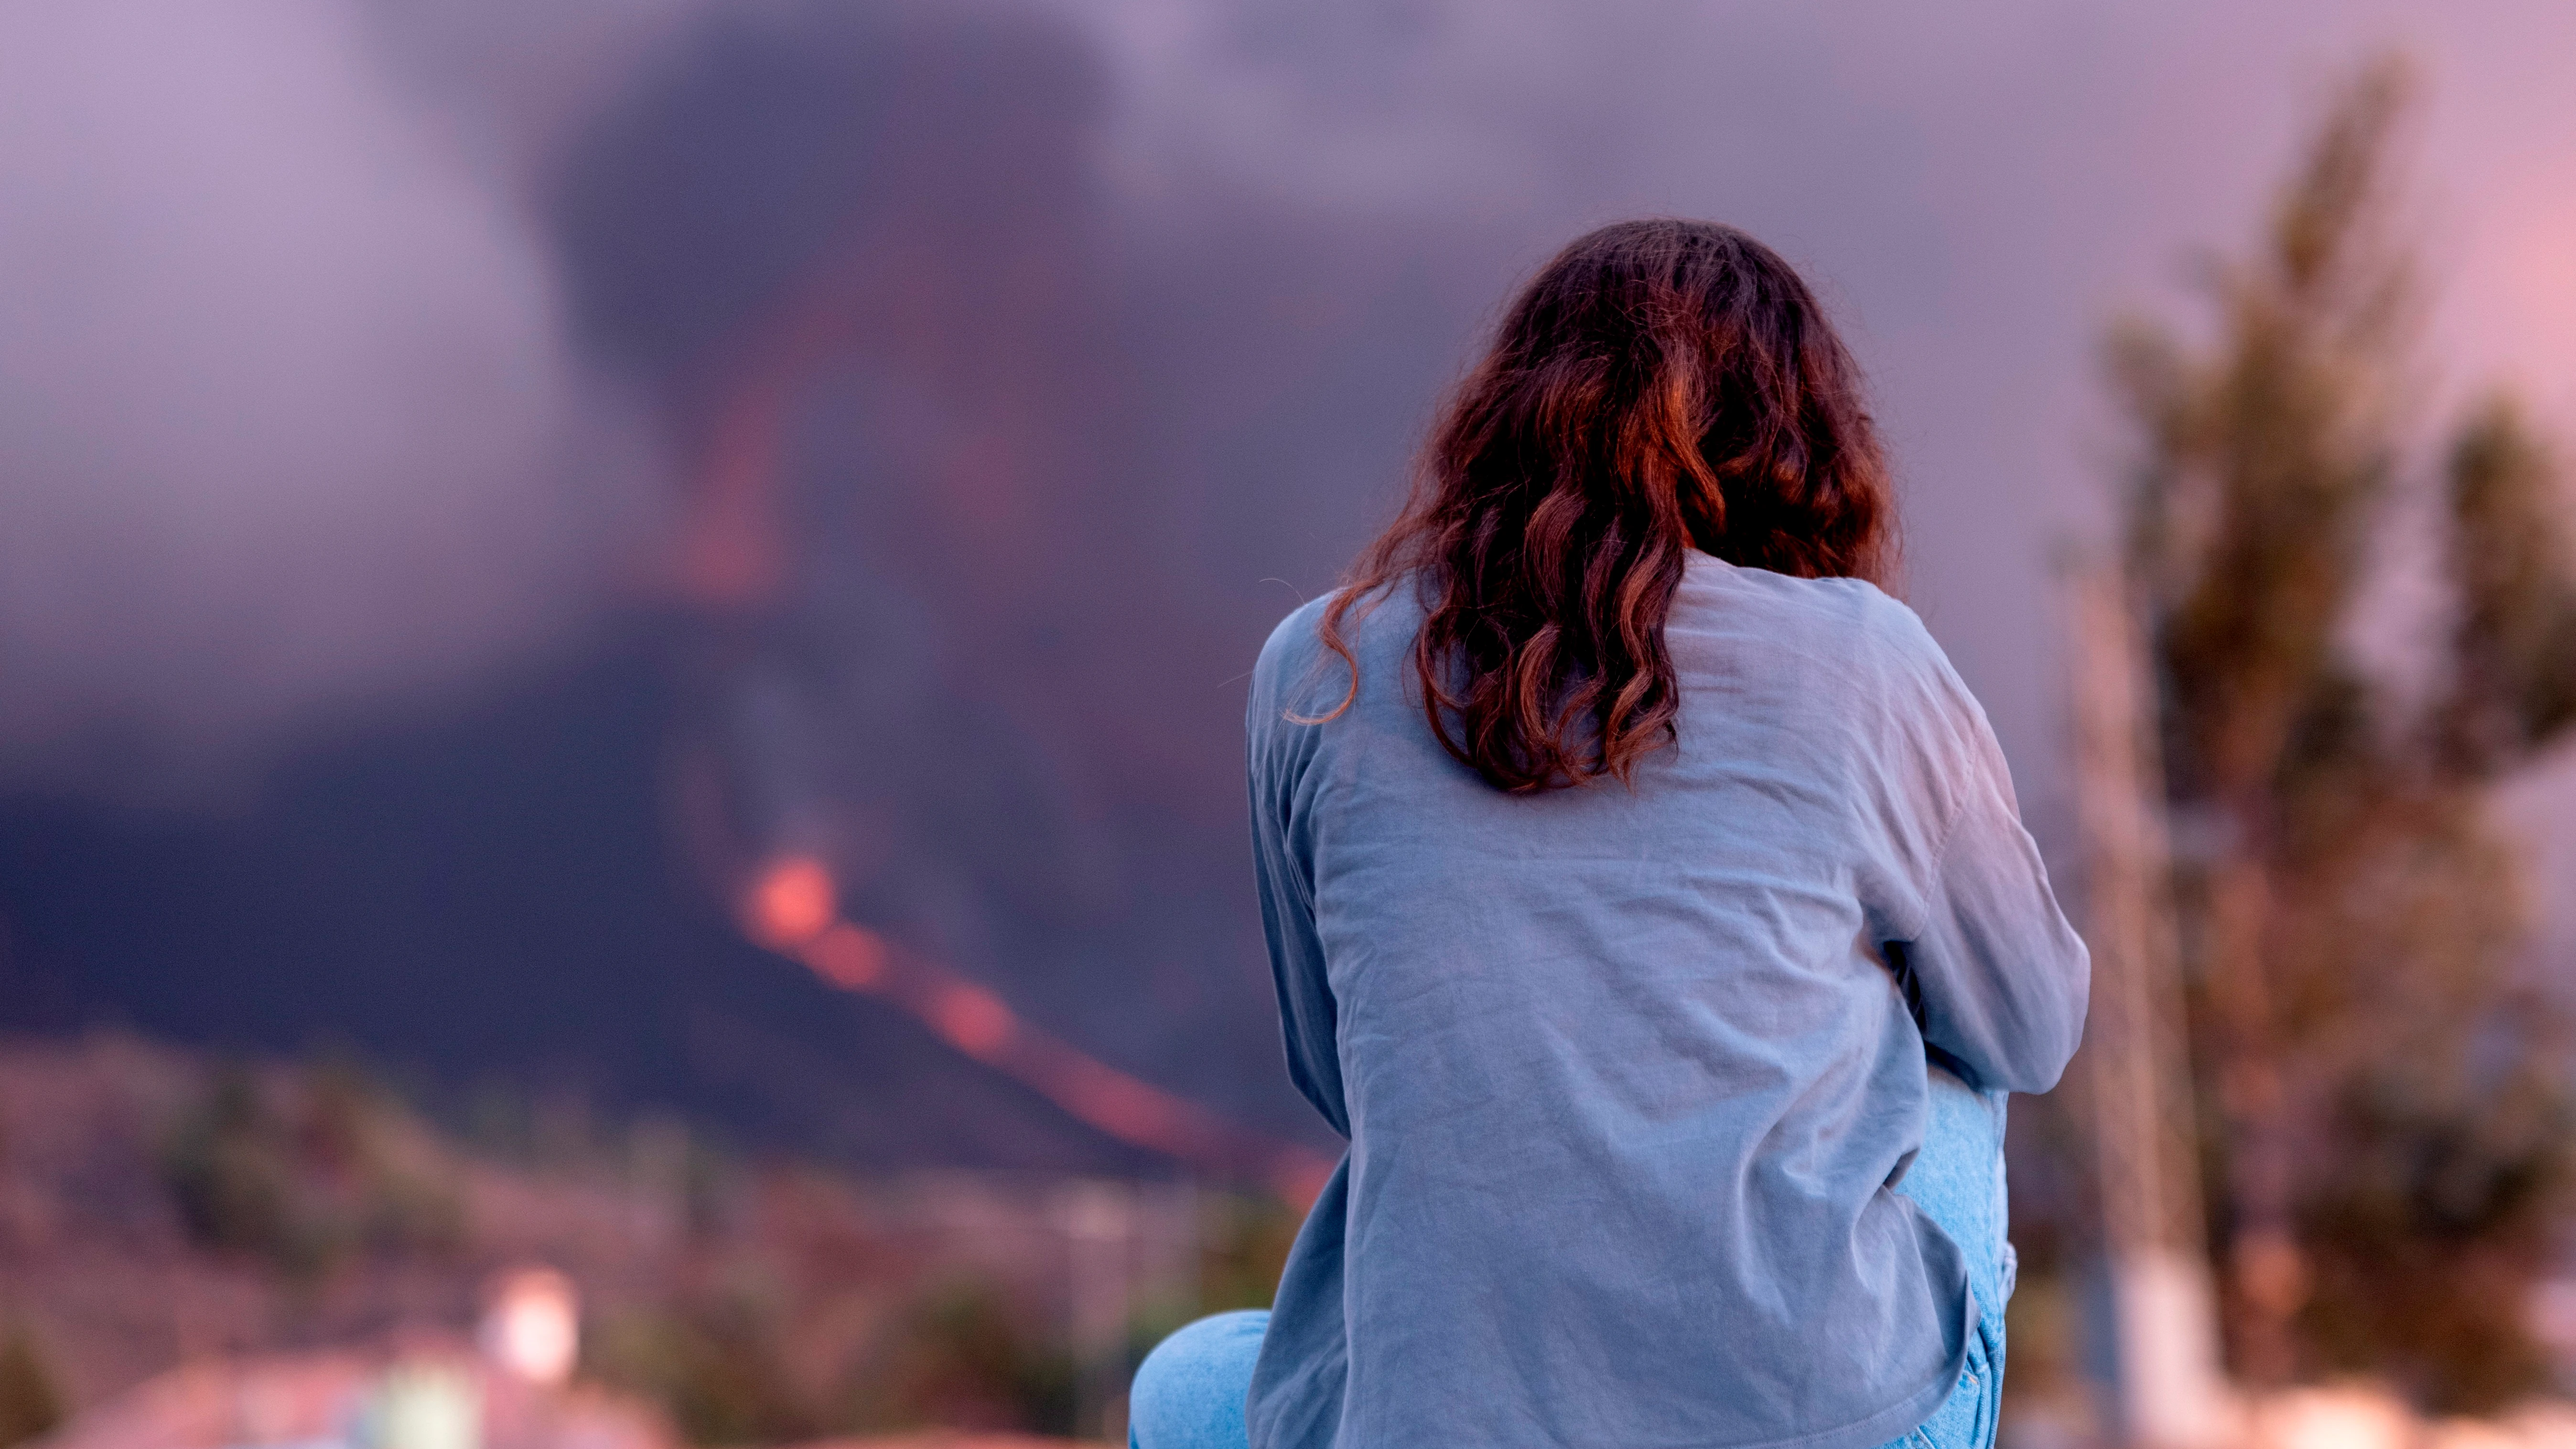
<point x="792" y="908"/>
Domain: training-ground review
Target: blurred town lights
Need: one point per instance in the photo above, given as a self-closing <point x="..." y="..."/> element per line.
<point x="791" y="902"/>
<point x="532" y="1325"/>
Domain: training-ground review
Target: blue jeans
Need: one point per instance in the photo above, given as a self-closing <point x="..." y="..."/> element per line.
<point x="1189" y="1392"/>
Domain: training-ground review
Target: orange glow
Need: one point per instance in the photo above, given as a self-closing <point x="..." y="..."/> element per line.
<point x="847" y="956"/>
<point x="973" y="1019"/>
<point x="791" y="903"/>
<point x="1121" y="1105"/>
<point x="734" y="554"/>
<point x="791" y="910"/>
<point x="734" y="550"/>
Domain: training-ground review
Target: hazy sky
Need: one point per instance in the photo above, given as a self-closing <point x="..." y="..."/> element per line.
<point x="1979" y="188"/>
<point x="275" y="239"/>
<point x="287" y="418"/>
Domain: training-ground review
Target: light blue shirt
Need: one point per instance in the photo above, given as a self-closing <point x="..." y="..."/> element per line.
<point x="1627" y="1073"/>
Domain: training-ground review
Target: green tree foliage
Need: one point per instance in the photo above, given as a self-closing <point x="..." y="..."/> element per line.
<point x="228" y="1170"/>
<point x="30" y="1405"/>
<point x="2515" y="643"/>
<point x="2386" y="1103"/>
<point x="960" y="1355"/>
<point x="714" y="1363"/>
<point x="302" y="1175"/>
<point x="963" y="1359"/>
<point x="1243" y="1240"/>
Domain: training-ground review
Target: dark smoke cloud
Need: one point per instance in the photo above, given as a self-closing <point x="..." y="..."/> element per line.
<point x="288" y="420"/>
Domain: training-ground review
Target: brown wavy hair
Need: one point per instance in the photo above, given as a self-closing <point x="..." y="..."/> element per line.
<point x="1660" y="386"/>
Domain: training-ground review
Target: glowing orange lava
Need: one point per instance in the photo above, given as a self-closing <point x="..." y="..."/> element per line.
<point x="850" y="957"/>
<point x="792" y="907"/>
<point x="791" y="903"/>
<point x="973" y="1019"/>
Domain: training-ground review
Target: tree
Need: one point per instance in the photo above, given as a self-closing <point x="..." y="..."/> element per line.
<point x="30" y="1405"/>
<point x="2385" y="1101"/>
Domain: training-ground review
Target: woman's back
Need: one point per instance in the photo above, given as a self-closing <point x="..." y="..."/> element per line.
<point x="1625" y="1069"/>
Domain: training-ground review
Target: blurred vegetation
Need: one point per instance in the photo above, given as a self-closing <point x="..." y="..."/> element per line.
<point x="30" y="1404"/>
<point x="962" y="1358"/>
<point x="1243" y="1246"/>
<point x="959" y="1352"/>
<point x="303" y="1176"/>
<point x="714" y="1365"/>
<point x="751" y="1299"/>
<point x="2044" y="1335"/>
<point x="960" y="1355"/>
<point x="2385" y="1094"/>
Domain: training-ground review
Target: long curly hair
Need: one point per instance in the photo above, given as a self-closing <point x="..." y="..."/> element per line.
<point x="1660" y="386"/>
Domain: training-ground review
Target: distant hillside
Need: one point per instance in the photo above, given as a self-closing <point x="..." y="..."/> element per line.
<point x="155" y="1206"/>
<point x="488" y="897"/>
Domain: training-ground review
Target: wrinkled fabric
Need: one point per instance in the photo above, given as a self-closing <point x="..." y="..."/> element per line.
<point x="1189" y="1393"/>
<point x="1628" y="1073"/>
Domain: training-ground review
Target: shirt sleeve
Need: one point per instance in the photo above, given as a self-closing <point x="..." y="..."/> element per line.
<point x="1279" y="750"/>
<point x="1998" y="978"/>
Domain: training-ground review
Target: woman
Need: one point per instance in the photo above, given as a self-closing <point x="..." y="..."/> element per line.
<point x="1650" y="909"/>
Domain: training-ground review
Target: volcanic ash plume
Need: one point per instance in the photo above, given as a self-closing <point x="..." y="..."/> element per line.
<point x="287" y="420"/>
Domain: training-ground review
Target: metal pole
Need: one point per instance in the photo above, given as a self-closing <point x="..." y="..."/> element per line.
<point x="2167" y="1389"/>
